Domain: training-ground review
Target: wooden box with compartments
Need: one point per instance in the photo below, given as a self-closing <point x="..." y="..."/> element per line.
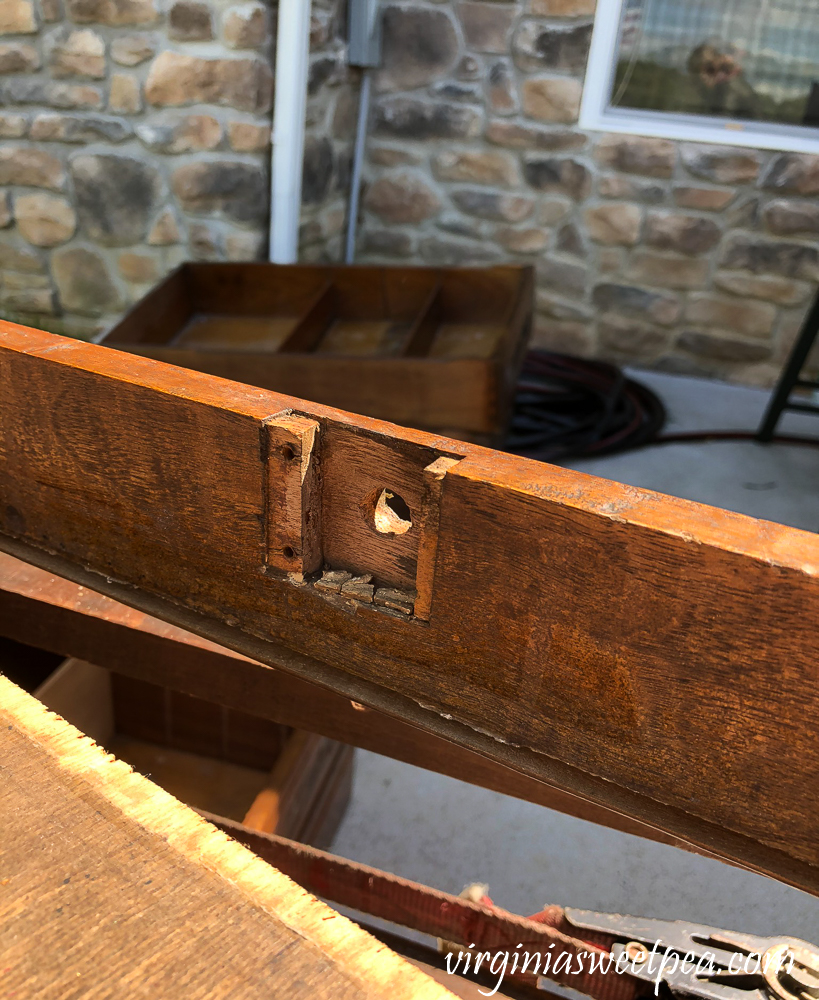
<point x="268" y="776"/>
<point x="437" y="349"/>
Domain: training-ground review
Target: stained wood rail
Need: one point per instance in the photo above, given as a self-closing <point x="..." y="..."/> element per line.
<point x="47" y="612"/>
<point x="648" y="653"/>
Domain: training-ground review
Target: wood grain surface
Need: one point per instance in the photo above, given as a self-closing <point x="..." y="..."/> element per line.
<point x="652" y="654"/>
<point x="110" y="887"/>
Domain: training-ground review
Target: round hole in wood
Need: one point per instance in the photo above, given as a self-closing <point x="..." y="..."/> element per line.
<point x="391" y="515"/>
<point x="288" y="552"/>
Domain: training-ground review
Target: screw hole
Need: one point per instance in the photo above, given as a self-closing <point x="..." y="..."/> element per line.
<point x="288" y="452"/>
<point x="392" y="515"/>
<point x="288" y="552"/>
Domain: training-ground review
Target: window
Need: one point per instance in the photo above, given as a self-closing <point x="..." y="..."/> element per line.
<point x="736" y="71"/>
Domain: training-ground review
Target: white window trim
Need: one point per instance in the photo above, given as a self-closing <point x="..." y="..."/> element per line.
<point x="596" y="116"/>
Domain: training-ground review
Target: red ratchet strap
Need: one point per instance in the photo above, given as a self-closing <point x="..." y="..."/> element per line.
<point x="479" y="927"/>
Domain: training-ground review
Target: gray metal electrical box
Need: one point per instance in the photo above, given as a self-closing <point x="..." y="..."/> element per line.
<point x="364" y="23"/>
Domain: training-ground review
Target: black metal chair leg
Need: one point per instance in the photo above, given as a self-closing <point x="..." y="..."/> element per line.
<point x="790" y="377"/>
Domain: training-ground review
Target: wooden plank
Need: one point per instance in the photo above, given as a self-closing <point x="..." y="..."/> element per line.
<point x="38" y="607"/>
<point x="125" y="891"/>
<point x="649" y="653"/>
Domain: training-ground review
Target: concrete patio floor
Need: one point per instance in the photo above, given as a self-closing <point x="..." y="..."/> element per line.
<point x="445" y="833"/>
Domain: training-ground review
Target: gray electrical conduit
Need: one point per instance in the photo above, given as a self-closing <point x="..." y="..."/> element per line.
<point x="358" y="160"/>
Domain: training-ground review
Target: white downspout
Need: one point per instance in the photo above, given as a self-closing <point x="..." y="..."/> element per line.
<point x="292" y="57"/>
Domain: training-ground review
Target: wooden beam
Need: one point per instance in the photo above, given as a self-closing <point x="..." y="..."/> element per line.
<point x="643" y="651"/>
<point x="42" y="610"/>
<point x="114" y="887"/>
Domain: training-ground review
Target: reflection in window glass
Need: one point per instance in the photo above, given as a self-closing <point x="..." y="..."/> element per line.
<point x="755" y="60"/>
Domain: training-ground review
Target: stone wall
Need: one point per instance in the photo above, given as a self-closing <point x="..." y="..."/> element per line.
<point x="135" y="134"/>
<point x="678" y="256"/>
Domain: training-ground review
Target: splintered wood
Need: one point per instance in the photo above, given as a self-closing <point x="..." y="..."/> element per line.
<point x="110" y="887"/>
<point x="650" y="654"/>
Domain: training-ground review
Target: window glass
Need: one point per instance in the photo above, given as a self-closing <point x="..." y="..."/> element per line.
<point x="750" y="60"/>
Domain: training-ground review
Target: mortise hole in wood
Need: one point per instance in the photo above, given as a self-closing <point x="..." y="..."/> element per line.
<point x="288" y="453"/>
<point x="391" y="514"/>
<point x="288" y="552"/>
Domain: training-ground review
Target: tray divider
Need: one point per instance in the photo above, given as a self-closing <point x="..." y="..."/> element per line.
<point x="312" y="324"/>
<point x="422" y="332"/>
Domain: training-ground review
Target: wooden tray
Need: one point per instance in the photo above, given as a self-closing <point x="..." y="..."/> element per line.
<point x="424" y="347"/>
<point x="268" y="776"/>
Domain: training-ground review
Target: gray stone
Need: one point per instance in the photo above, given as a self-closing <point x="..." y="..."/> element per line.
<point x="178" y="79"/>
<point x="647" y="267"/>
<point x="25" y="90"/>
<point x="50" y="127"/>
<point x="517" y="136"/>
<point x="630" y="301"/>
<point x="234" y="189"/>
<point x="552" y="98"/>
<point x="13" y="126"/>
<point x="722" y="348"/>
<point x="629" y="189"/>
<point x="564" y="176"/>
<point x="570" y="241"/>
<point x="564" y="336"/>
<point x="18" y="57"/>
<point x="752" y="318"/>
<point x="22" y="259"/>
<point x="419" y="46"/>
<point x="553" y="46"/>
<point x="402" y="198"/>
<point x="532" y="240"/>
<point x="317" y="169"/>
<point x="486" y="26"/>
<point x="722" y="165"/>
<point x="190" y="21"/>
<point x="246" y="26"/>
<point x="783" y="291"/>
<point x="488" y="166"/>
<point x="114" y="12"/>
<point x="793" y="173"/>
<point x="324" y="70"/>
<point x="30" y="167"/>
<point x="131" y="50"/>
<point x="458" y="90"/>
<point x="629" y="338"/>
<point x="744" y="214"/>
<point x="17" y="18"/>
<point x="116" y="197"/>
<point x="204" y="241"/>
<point x="792" y="218"/>
<point x="79" y="53"/>
<point x="614" y="223"/>
<point x="180" y="134"/>
<point x="684" y="233"/>
<point x="435" y="250"/>
<point x="637" y="155"/>
<point x="386" y="242"/>
<point x="788" y="260"/>
<point x="83" y="281"/>
<point x="563" y="276"/>
<point x="703" y="199"/>
<point x="469" y="68"/>
<point x="452" y="222"/>
<point x="408" y="118"/>
<point x="491" y="205"/>
<point x="501" y="91"/>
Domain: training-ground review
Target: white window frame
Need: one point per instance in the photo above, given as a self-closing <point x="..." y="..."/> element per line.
<point x="597" y="116"/>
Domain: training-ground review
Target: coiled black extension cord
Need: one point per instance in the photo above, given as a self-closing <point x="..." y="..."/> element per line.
<point x="571" y="407"/>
